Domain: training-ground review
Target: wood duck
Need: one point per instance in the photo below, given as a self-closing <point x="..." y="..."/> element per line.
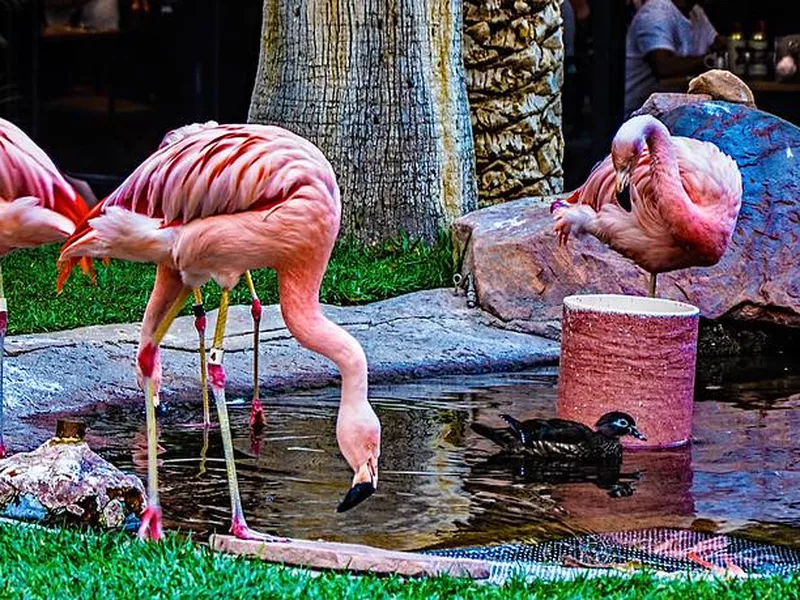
<point x="565" y="441"/>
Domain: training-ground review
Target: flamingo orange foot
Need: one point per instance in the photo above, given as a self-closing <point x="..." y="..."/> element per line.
<point x="150" y="528"/>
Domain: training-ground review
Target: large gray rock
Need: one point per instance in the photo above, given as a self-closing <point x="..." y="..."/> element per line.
<point x="68" y="483"/>
<point x="521" y="275"/>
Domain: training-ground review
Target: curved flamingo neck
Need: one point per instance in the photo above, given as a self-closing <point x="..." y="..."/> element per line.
<point x="302" y="312"/>
<point x="674" y="204"/>
<point x="664" y="162"/>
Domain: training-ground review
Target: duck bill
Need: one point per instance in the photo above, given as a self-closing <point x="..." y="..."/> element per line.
<point x="638" y="434"/>
<point x="365" y="482"/>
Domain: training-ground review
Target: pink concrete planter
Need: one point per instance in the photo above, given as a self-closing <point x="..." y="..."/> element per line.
<point x="631" y="354"/>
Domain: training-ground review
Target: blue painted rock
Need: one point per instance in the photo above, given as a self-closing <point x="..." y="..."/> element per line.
<point x="759" y="276"/>
<point x="522" y="276"/>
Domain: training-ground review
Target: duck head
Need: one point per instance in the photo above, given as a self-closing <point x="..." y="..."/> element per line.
<point x="618" y="424"/>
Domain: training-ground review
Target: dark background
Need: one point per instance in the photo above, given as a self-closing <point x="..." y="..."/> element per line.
<point x="99" y="103"/>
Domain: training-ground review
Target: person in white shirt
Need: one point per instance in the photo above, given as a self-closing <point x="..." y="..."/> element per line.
<point x="666" y="38"/>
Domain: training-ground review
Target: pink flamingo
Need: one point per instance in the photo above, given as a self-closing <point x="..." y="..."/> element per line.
<point x="213" y="205"/>
<point x="665" y="202"/>
<point x="257" y="418"/>
<point x="37" y="206"/>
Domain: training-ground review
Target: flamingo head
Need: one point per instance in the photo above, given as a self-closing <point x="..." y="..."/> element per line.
<point x="625" y="152"/>
<point x="358" y="431"/>
<point x="626" y="149"/>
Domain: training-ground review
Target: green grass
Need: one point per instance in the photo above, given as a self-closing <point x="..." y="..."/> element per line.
<point x="65" y="564"/>
<point x="356" y="274"/>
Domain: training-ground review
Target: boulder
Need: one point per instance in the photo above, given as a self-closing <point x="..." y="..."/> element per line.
<point x="722" y="85"/>
<point x="64" y="482"/>
<point x="521" y="275"/>
<point x="660" y="103"/>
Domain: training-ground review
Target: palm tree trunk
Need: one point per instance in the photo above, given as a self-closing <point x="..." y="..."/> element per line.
<point x="378" y="85"/>
<point x="514" y="57"/>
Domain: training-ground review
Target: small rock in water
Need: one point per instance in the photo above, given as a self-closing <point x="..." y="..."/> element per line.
<point x="67" y="483"/>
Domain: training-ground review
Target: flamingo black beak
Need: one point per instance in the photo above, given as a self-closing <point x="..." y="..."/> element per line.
<point x="365" y="483"/>
<point x="637" y="434"/>
<point x="623" y="189"/>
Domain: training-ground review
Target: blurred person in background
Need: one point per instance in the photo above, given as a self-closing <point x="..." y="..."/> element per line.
<point x="666" y="38"/>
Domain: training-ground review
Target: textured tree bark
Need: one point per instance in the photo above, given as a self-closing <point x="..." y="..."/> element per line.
<point x="514" y="57"/>
<point x="379" y="86"/>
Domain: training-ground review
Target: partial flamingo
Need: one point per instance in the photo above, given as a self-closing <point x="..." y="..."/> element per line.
<point x="213" y="205"/>
<point x="37" y="206"/>
<point x="664" y="202"/>
<point x="257" y="418"/>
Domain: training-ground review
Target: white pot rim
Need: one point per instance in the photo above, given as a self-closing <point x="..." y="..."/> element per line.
<point x="638" y="306"/>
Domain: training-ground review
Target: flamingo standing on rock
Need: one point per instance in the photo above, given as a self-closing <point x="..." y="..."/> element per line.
<point x="37" y="206"/>
<point x="664" y="202"/>
<point x="213" y="205"/>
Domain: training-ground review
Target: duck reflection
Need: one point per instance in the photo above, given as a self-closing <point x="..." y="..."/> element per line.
<point x="525" y="469"/>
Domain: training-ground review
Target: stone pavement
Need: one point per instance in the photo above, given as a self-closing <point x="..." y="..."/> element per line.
<point x="421" y="334"/>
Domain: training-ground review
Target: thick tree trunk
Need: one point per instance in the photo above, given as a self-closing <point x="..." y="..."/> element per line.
<point x="379" y="86"/>
<point x="514" y="57"/>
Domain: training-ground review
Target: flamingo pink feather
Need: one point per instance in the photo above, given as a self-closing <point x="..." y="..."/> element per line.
<point x="37" y="205"/>
<point x="685" y="196"/>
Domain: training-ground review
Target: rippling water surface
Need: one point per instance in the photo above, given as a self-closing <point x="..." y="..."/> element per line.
<point x="439" y="484"/>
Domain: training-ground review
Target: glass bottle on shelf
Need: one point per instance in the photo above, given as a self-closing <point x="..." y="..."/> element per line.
<point x="737" y="58"/>
<point x="758" y="44"/>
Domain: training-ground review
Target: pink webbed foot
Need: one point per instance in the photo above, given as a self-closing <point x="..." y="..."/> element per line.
<point x="562" y="226"/>
<point x="258" y="419"/>
<point x="3" y="451"/>
<point x="240" y="530"/>
<point x="150" y="527"/>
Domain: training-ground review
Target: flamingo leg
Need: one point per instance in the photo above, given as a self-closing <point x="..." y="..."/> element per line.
<point x="257" y="418"/>
<point x="150" y="527"/>
<point x="3" y="326"/>
<point x="216" y="374"/>
<point x="200" y="326"/>
<point x="651" y="292"/>
<point x="203" y="453"/>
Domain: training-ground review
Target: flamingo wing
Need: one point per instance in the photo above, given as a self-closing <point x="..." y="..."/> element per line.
<point x="222" y="170"/>
<point x="216" y="170"/>
<point x="25" y="170"/>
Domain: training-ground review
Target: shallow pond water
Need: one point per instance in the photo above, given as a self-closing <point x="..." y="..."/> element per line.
<point x="439" y="485"/>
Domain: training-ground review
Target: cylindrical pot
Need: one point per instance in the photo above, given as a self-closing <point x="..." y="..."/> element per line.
<point x="631" y="354"/>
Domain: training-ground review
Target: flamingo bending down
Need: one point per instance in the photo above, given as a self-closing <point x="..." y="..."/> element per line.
<point x="214" y="205"/>
<point x="257" y="418"/>
<point x="37" y="206"/>
<point x="664" y="202"/>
